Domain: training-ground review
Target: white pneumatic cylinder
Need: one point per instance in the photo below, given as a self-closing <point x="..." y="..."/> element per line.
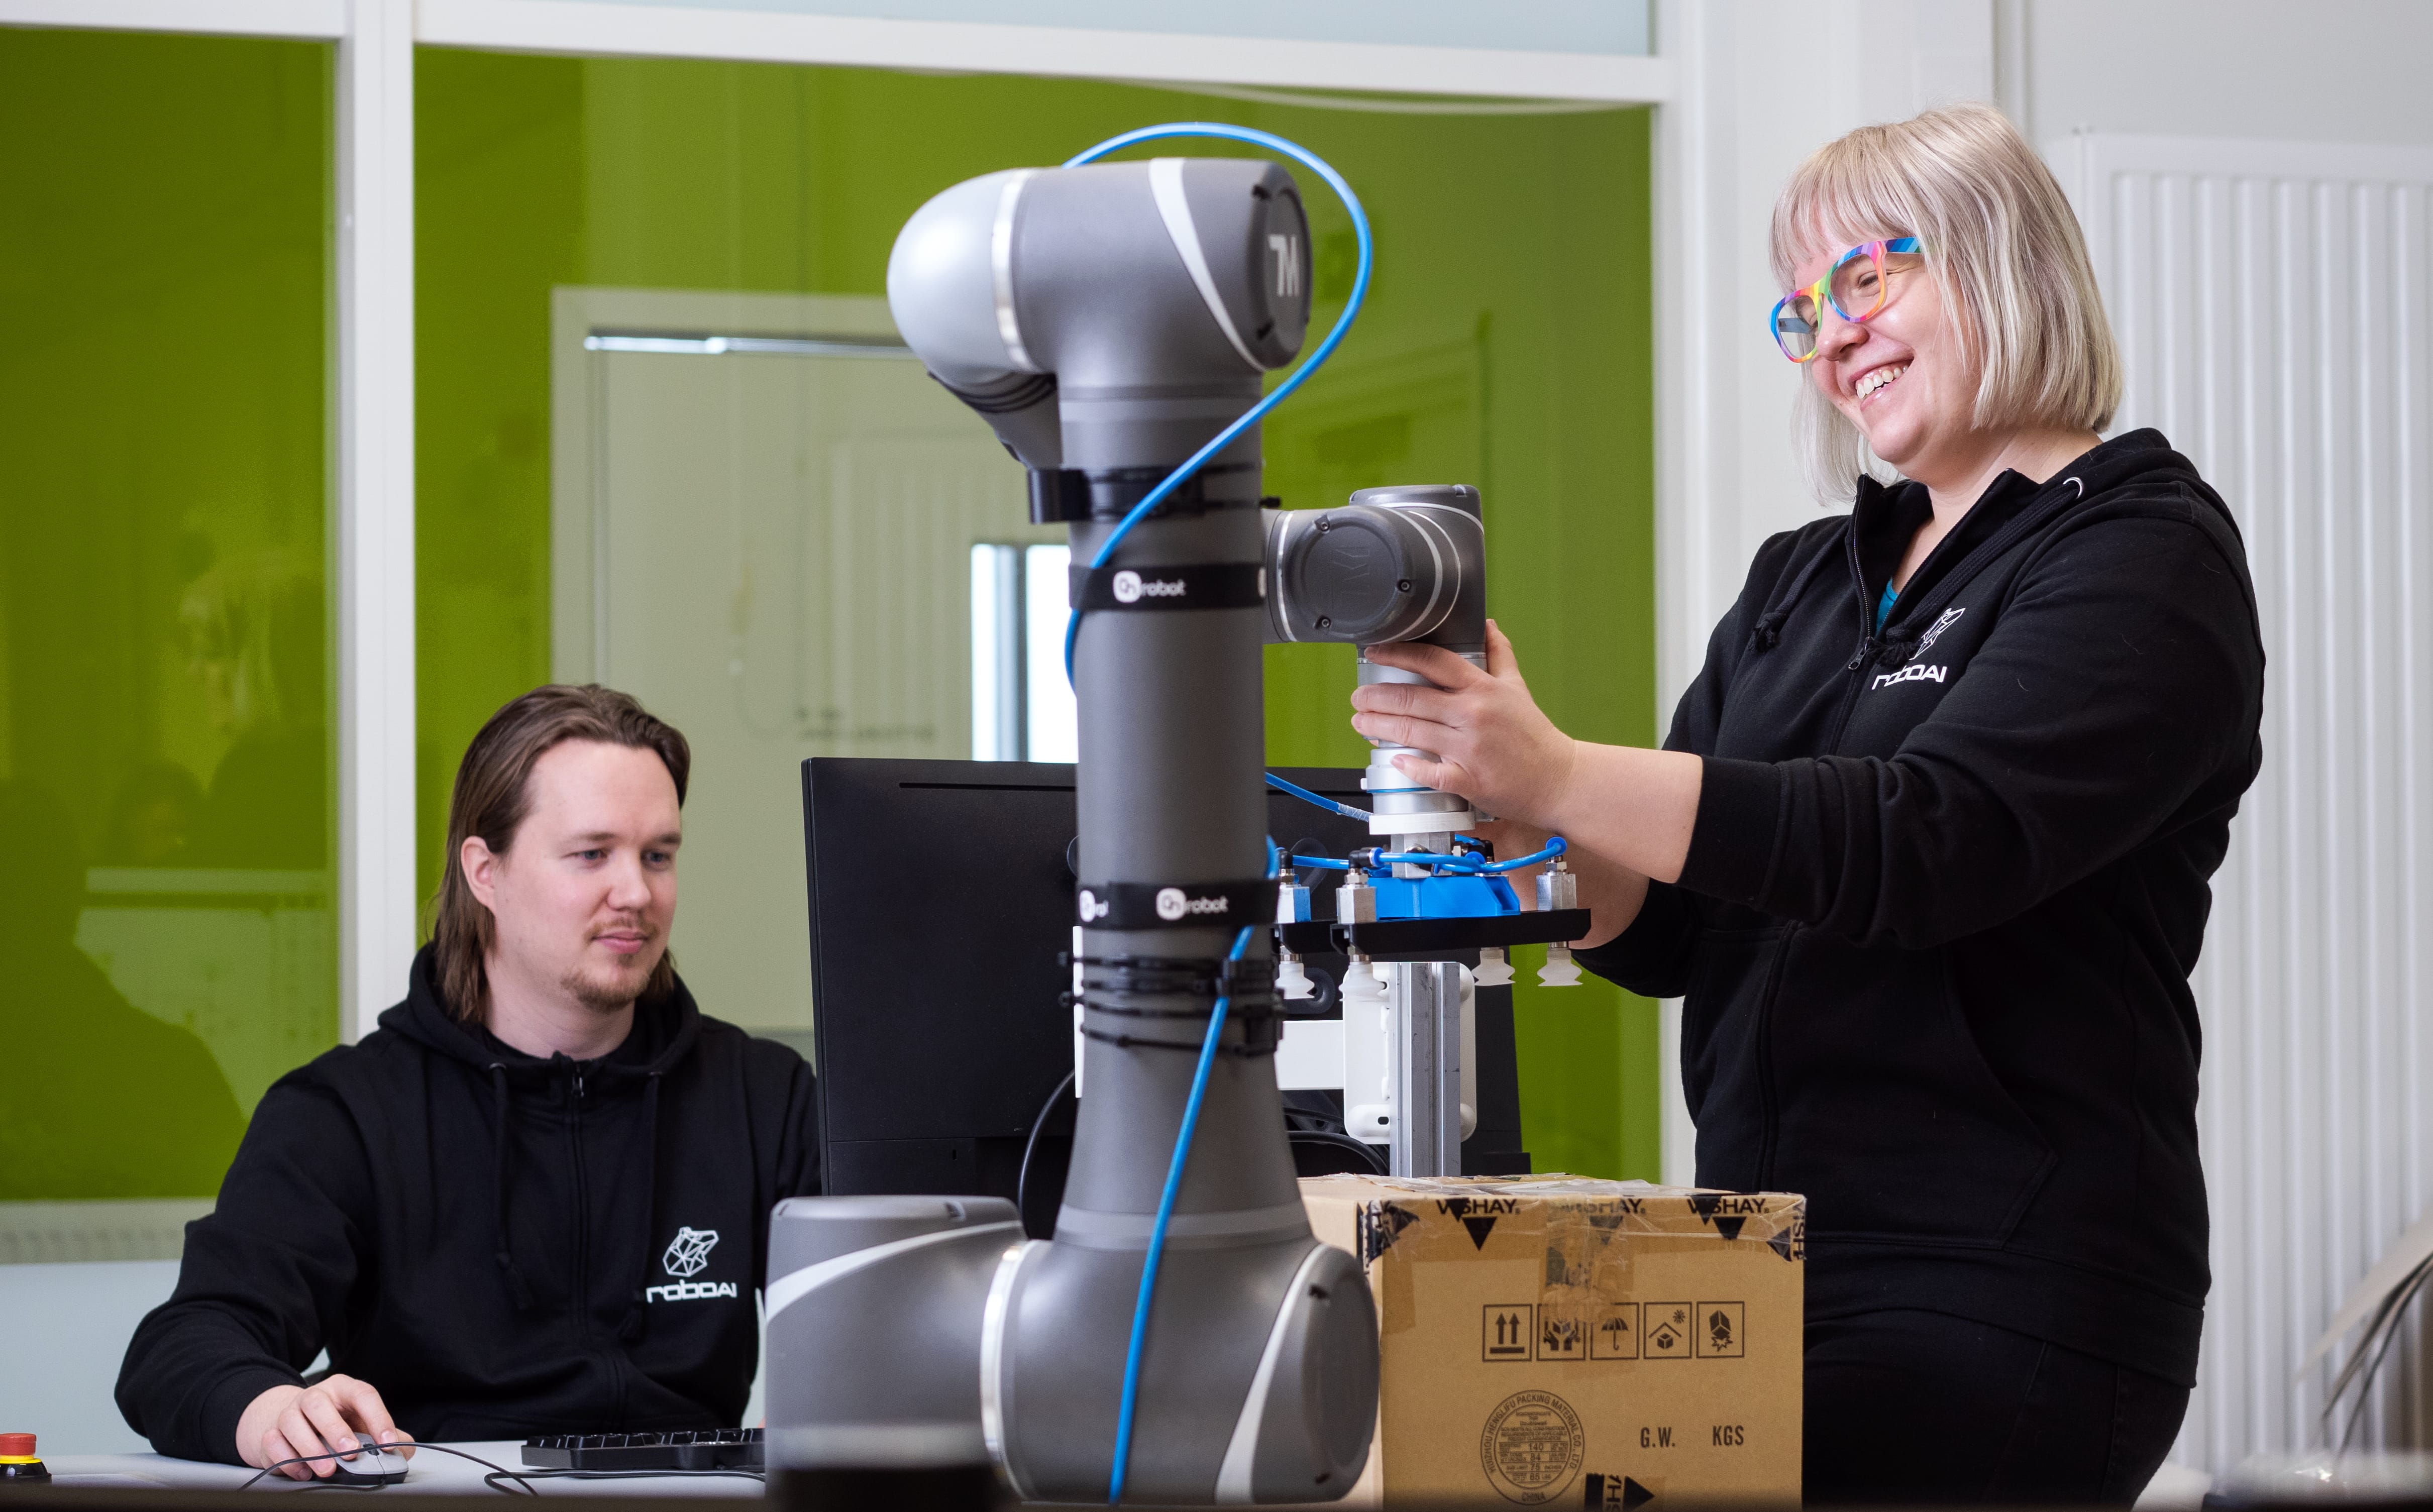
<point x="1366" y="1049"/>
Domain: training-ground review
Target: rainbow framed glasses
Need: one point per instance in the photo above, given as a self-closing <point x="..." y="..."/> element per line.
<point x="1856" y="285"/>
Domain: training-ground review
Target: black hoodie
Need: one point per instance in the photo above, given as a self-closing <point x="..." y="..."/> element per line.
<point x="592" y="1271"/>
<point x="1945" y="887"/>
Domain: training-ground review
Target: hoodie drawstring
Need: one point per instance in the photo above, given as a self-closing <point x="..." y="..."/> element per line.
<point x="1779" y="607"/>
<point x="631" y="1328"/>
<point x="505" y="1252"/>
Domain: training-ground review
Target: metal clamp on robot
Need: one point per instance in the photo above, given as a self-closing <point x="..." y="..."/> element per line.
<point x="1183" y="1338"/>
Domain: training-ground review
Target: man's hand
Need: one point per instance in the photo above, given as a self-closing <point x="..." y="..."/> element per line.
<point x="335" y="1417"/>
<point x="1492" y="744"/>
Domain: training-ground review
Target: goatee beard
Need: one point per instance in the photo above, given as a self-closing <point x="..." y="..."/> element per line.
<point x="611" y="996"/>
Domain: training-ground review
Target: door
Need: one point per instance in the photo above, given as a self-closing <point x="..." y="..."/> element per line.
<point x="777" y="524"/>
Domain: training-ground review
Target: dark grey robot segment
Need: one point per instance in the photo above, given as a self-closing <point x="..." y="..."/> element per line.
<point x="1405" y="562"/>
<point x="1400" y="563"/>
<point x="1145" y="368"/>
<point x="1062" y="305"/>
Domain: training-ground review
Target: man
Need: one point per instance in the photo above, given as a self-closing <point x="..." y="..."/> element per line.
<point x="536" y="1199"/>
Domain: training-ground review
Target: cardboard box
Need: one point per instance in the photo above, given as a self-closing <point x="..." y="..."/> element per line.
<point x="1556" y="1340"/>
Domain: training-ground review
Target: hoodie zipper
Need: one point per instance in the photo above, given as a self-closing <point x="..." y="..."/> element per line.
<point x="611" y="1354"/>
<point x="1868" y="650"/>
<point x="582" y="1220"/>
<point x="1871" y="645"/>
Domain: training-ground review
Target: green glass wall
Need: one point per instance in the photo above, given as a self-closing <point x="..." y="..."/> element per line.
<point x="1507" y="342"/>
<point x="165" y="678"/>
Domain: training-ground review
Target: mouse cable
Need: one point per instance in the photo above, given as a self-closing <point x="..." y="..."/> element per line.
<point x="492" y="1479"/>
<point x="382" y="1450"/>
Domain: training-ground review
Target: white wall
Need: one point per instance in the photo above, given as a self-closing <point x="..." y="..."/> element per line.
<point x="67" y="1329"/>
<point x="2322" y="71"/>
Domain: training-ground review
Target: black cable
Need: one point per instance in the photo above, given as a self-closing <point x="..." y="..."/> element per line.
<point x="1030" y="1146"/>
<point x="1329" y="1139"/>
<point x="489" y="1480"/>
<point x="497" y="1476"/>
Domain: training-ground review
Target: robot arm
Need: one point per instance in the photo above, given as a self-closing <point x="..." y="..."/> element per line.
<point x="1109" y="322"/>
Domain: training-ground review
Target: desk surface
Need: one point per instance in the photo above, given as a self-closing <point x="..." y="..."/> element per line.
<point x="424" y="1472"/>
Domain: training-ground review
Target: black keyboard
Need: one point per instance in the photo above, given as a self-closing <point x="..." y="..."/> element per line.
<point x="709" y="1449"/>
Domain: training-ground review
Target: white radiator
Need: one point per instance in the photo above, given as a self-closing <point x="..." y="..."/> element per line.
<point x="2271" y="300"/>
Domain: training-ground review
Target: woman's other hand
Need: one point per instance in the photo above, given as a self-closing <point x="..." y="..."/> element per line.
<point x="1492" y="744"/>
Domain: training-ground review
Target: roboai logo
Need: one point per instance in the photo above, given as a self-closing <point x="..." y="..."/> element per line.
<point x="1131" y="588"/>
<point x="1172" y="903"/>
<point x="1911" y="673"/>
<point x="688" y="1252"/>
<point x="689" y="1255"/>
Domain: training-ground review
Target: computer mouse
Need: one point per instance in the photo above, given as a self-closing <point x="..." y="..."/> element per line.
<point x="373" y="1467"/>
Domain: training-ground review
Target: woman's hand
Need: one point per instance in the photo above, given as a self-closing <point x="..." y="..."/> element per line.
<point x="1625" y="812"/>
<point x="338" y="1414"/>
<point x="1493" y="745"/>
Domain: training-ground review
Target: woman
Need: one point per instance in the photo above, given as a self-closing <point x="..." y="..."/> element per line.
<point x="1927" y="848"/>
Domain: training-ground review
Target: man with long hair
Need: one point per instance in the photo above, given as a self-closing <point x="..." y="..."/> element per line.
<point x="536" y="1199"/>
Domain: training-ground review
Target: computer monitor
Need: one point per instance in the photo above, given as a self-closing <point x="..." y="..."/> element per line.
<point x="941" y="906"/>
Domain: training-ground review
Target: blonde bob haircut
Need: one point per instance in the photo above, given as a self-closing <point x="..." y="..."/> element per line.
<point x="2000" y="243"/>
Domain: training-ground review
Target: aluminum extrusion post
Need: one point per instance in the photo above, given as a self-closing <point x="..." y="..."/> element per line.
<point x="1137" y="303"/>
<point x="1427" y="1068"/>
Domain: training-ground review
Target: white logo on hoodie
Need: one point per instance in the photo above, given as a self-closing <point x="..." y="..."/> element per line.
<point x="689" y="1255"/>
<point x="688" y="1252"/>
<point x="1934" y="633"/>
